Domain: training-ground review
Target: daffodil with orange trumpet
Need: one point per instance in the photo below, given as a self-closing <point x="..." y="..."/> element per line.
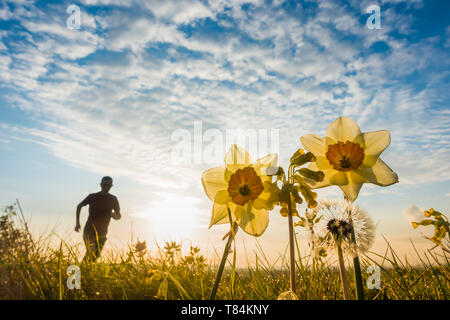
<point x="349" y="158"/>
<point x="242" y="195"/>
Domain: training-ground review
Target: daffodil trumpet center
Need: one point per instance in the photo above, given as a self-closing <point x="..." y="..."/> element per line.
<point x="345" y="156"/>
<point x="244" y="190"/>
<point x="244" y="185"/>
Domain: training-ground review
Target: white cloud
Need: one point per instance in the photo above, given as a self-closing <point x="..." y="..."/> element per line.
<point x="5" y="13"/>
<point x="118" y="114"/>
<point x="413" y="213"/>
<point x="69" y="44"/>
<point x="107" y="2"/>
<point x="180" y="12"/>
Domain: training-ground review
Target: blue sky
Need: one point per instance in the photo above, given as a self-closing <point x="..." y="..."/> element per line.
<point x="105" y="100"/>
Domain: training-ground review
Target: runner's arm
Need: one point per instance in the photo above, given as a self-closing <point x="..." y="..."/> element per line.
<point x="116" y="214"/>
<point x="80" y="205"/>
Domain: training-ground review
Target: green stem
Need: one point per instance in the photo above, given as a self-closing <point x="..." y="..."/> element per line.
<point x="358" y="278"/>
<point x="356" y="263"/>
<point x="291" y="246"/>
<point x="226" y="251"/>
<point x="344" y="281"/>
<point x="313" y="269"/>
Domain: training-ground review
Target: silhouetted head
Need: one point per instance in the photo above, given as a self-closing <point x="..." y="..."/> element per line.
<point x="106" y="184"/>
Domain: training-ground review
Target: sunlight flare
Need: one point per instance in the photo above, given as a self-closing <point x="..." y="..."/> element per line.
<point x="173" y="217"/>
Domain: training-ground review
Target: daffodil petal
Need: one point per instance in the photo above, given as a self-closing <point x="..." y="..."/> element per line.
<point x="268" y="197"/>
<point x="355" y="177"/>
<point x="213" y="181"/>
<point x="339" y="178"/>
<point x="261" y="165"/>
<point x="219" y="214"/>
<point x="237" y="158"/>
<point x="228" y="175"/>
<point x="342" y="129"/>
<point x="221" y="197"/>
<point x="314" y="144"/>
<point x="238" y="211"/>
<point x="379" y="174"/>
<point x="261" y="203"/>
<point x="351" y="190"/>
<point x="323" y="163"/>
<point x="375" y="143"/>
<point x="254" y="221"/>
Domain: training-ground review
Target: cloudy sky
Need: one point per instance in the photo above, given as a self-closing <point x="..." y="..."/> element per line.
<point x="113" y="97"/>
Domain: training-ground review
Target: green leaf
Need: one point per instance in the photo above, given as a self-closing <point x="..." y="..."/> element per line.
<point x="162" y="290"/>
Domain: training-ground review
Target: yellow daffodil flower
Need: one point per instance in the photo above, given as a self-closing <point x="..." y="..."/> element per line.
<point x="244" y="188"/>
<point x="349" y="158"/>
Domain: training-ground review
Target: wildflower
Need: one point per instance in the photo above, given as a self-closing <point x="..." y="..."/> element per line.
<point x="244" y="189"/>
<point x="296" y="183"/>
<point x="293" y="184"/>
<point x="140" y="247"/>
<point x="349" y="158"/>
<point x="318" y="251"/>
<point x="312" y="217"/>
<point x="441" y="227"/>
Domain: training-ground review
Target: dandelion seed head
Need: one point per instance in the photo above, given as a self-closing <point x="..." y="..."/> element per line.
<point x="339" y="228"/>
<point x="337" y="224"/>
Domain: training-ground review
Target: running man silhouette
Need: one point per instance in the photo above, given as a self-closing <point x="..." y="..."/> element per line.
<point x="102" y="207"/>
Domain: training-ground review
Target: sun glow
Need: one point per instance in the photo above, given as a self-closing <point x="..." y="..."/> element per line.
<point x="172" y="217"/>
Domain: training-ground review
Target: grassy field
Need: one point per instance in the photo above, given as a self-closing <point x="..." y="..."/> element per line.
<point x="32" y="269"/>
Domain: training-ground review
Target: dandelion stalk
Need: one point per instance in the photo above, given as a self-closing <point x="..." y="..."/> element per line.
<point x="356" y="263"/>
<point x="342" y="272"/>
<point x="226" y="251"/>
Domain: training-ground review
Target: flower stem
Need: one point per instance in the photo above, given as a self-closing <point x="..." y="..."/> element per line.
<point x="226" y="251"/>
<point x="344" y="282"/>
<point x="358" y="278"/>
<point x="356" y="264"/>
<point x="291" y="246"/>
